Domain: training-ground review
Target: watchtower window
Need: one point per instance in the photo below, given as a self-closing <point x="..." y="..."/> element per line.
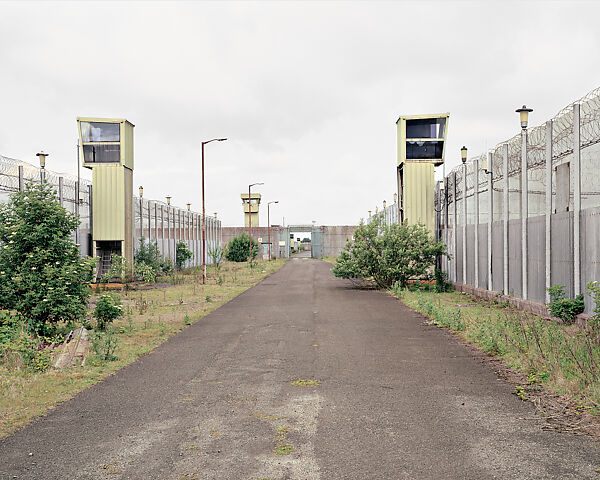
<point x="425" y="128"/>
<point x="102" y="153"/>
<point x="421" y="150"/>
<point x="100" y="132"/>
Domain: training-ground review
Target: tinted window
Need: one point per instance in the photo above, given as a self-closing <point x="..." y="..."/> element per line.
<point x="101" y="153"/>
<point x="425" y="128"/>
<point x="100" y="132"/>
<point x="424" y="150"/>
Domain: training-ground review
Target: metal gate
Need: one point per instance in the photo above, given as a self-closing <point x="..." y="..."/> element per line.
<point x="317" y="242"/>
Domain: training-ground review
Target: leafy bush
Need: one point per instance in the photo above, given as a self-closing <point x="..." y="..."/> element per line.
<point x="108" y="308"/>
<point x="388" y="253"/>
<point x="441" y="281"/>
<point x="216" y="255"/>
<point x="104" y="344"/>
<point x="149" y="254"/>
<point x="562" y="307"/>
<point x="237" y="248"/>
<point x="120" y="270"/>
<point x="145" y="273"/>
<point x="41" y="273"/>
<point x="182" y="255"/>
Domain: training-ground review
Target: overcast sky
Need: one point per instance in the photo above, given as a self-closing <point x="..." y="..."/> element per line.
<point x="307" y="93"/>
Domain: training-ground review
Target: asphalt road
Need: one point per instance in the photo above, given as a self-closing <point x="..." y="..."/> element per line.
<point x="396" y="399"/>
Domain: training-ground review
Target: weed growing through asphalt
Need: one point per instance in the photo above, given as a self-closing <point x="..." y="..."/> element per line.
<point x="305" y="382"/>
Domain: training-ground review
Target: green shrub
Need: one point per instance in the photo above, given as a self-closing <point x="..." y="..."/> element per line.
<point x="148" y="254"/>
<point x="441" y="281"/>
<point x="216" y="255"/>
<point x="108" y="308"/>
<point x="389" y="253"/>
<point x="237" y="248"/>
<point x="41" y="273"/>
<point x="104" y="344"/>
<point x="182" y="255"/>
<point x="145" y="273"/>
<point x="562" y="307"/>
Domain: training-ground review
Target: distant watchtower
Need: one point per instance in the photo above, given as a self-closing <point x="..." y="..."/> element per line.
<point x="251" y="208"/>
<point x="421" y="147"/>
<point x="106" y="147"/>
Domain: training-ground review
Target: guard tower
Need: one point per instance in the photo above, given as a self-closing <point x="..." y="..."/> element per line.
<point x="251" y="208"/>
<point x="421" y="147"/>
<point x="106" y="147"/>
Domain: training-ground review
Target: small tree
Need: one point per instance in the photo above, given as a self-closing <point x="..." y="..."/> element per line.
<point x="237" y="248"/>
<point x="389" y="253"/>
<point x="216" y="255"/>
<point x="41" y="273"/>
<point x="108" y="308"/>
<point x="182" y="255"/>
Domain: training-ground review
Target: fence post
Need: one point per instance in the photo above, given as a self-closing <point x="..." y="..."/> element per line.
<point x="490" y="285"/>
<point x="162" y="230"/>
<point x="548" y="207"/>
<point x="156" y="222"/>
<point x="60" y="190"/>
<point x="455" y="239"/>
<point x="21" y="179"/>
<point x="576" y="172"/>
<point x="476" y="197"/>
<point x="505" y="215"/>
<point x="149" y="223"/>
<point x="524" y="213"/>
<point x="91" y="217"/>
<point x="464" y="225"/>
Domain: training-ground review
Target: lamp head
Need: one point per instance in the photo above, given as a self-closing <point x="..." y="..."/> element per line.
<point x="524" y="115"/>
<point x="42" y="157"/>
<point x="395" y="198"/>
<point x="384" y="203"/>
<point x="141" y="190"/>
<point x="463" y="154"/>
<point x="370" y="212"/>
<point x="168" y="199"/>
<point x="216" y="212"/>
<point x="189" y="205"/>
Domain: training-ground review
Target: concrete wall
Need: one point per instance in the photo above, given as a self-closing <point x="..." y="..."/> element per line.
<point x="335" y="237"/>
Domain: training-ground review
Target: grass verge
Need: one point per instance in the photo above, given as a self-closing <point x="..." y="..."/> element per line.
<point x="151" y="317"/>
<point x="563" y="358"/>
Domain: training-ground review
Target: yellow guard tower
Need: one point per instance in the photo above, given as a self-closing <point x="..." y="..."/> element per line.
<point x="106" y="147"/>
<point x="251" y="207"/>
<point x="421" y="147"/>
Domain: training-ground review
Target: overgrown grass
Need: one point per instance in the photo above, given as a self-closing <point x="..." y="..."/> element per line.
<point x="151" y="317"/>
<point x="566" y="358"/>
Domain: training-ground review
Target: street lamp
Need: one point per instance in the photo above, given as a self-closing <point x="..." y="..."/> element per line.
<point x="384" y="204"/>
<point x="189" y="206"/>
<point x="269" y="225"/>
<point x="141" y="190"/>
<point x="250" y="219"/>
<point x="203" y="212"/>
<point x="395" y="197"/>
<point x="463" y="154"/>
<point x="42" y="156"/>
<point x="524" y="114"/>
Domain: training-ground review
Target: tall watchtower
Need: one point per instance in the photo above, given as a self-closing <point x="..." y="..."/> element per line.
<point x="251" y="207"/>
<point x="421" y="147"/>
<point x="106" y="147"/>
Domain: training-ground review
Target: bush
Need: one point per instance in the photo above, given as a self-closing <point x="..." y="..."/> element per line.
<point x="108" y="308"/>
<point x="182" y="255"/>
<point x="389" y="253"/>
<point x="120" y="270"/>
<point x="41" y="273"/>
<point x="104" y="345"/>
<point x="562" y="307"/>
<point x="237" y="248"/>
<point x="148" y="254"/>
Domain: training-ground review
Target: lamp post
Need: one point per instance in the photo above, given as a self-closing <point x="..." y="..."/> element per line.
<point x="168" y="197"/>
<point x="42" y="156"/>
<point x="250" y="220"/>
<point x="141" y="191"/>
<point x="463" y="157"/>
<point x="269" y="225"/>
<point x="524" y="118"/>
<point x="203" y="212"/>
